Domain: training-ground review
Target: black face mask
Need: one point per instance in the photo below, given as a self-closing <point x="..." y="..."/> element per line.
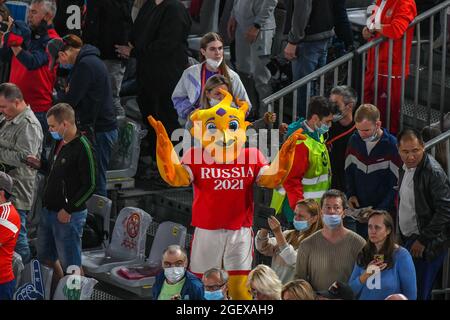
<point x="41" y="29"/>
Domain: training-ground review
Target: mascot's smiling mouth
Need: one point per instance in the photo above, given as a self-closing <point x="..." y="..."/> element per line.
<point x="227" y="144"/>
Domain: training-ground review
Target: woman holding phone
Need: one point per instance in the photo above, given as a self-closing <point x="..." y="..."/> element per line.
<point x="283" y="247"/>
<point x="383" y="267"/>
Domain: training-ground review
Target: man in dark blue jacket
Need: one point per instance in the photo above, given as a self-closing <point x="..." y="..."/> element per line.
<point x="371" y="164"/>
<point x="175" y="282"/>
<point x="89" y="92"/>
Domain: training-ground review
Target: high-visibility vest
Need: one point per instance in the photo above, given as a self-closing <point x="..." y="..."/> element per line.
<point x="317" y="179"/>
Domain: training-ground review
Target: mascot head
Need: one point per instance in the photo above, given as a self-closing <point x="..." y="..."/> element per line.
<point x="221" y="129"/>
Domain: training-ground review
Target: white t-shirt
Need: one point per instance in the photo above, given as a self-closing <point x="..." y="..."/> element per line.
<point x="407" y="208"/>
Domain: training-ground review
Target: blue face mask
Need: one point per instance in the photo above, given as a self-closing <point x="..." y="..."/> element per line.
<point x="300" y="225"/>
<point x="331" y="220"/>
<point x="56" y="135"/>
<point x="322" y="129"/>
<point x="214" y="295"/>
<point x="372" y="138"/>
<point x="67" y="66"/>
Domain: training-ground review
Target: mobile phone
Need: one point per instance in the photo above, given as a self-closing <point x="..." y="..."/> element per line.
<point x="263" y="213"/>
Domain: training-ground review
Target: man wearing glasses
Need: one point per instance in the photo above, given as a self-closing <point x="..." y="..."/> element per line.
<point x="215" y="283"/>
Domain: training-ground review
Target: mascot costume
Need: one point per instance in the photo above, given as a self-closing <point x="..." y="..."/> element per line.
<point x="222" y="172"/>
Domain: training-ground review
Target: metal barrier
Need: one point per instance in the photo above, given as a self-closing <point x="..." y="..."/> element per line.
<point x="442" y="141"/>
<point x="332" y="69"/>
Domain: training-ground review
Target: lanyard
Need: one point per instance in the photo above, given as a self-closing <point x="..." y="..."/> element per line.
<point x="329" y="143"/>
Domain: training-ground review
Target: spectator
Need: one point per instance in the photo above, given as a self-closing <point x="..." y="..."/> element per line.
<point x="187" y="94"/>
<point x="252" y="25"/>
<point x="344" y="98"/>
<point x="29" y="61"/>
<point x="283" y="247"/>
<point x="159" y="43"/>
<point x="70" y="183"/>
<point x="313" y="25"/>
<point x="396" y="297"/>
<point x="337" y="291"/>
<point x="264" y="283"/>
<point x="9" y="232"/>
<point x="20" y="135"/>
<point x="383" y="267"/>
<point x="175" y="282"/>
<point x="298" y="290"/>
<point x="108" y="23"/>
<point x="89" y="92"/>
<point x="423" y="210"/>
<point x="329" y="254"/>
<point x="391" y="20"/>
<point x="310" y="175"/>
<point x="371" y="165"/>
<point x="215" y="282"/>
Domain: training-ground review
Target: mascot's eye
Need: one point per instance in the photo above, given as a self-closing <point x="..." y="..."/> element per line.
<point x="211" y="127"/>
<point x="234" y="125"/>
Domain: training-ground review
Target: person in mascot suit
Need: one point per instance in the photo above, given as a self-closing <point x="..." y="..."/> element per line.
<point x="222" y="172"/>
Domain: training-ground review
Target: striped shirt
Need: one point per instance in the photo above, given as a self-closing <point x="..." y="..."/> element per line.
<point x="9" y="232"/>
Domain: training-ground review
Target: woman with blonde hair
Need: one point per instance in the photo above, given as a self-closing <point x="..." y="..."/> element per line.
<point x="298" y="290"/>
<point x="283" y="247"/>
<point x="187" y="94"/>
<point x="264" y="283"/>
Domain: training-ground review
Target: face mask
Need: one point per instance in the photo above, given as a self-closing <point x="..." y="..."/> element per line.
<point x="331" y="220"/>
<point x="372" y="138"/>
<point x="300" y="225"/>
<point x="67" y="66"/>
<point x="213" y="102"/>
<point x="56" y="135"/>
<point x="174" y="274"/>
<point x="214" y="63"/>
<point x="340" y="115"/>
<point x="322" y="129"/>
<point x="214" y="295"/>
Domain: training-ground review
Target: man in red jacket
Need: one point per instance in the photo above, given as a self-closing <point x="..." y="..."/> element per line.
<point x="390" y="19"/>
<point x="29" y="60"/>
<point x="9" y="232"/>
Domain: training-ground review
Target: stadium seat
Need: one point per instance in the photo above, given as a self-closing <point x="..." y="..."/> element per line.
<point x="127" y="243"/>
<point x="137" y="278"/>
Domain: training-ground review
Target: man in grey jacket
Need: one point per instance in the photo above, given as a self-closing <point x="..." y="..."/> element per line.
<point x="252" y="24"/>
<point x="20" y="135"/>
<point x="313" y="26"/>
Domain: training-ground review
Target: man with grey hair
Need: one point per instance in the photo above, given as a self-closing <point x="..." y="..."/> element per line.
<point x="215" y="283"/>
<point x="24" y="46"/>
<point x="20" y="135"/>
<point x="175" y="282"/>
<point x="344" y="99"/>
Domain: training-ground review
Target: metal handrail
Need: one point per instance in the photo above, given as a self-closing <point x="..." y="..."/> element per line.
<point x="440" y="138"/>
<point x="348" y="57"/>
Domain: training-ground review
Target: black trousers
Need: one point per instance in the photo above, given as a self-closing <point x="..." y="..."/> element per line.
<point x="157" y="103"/>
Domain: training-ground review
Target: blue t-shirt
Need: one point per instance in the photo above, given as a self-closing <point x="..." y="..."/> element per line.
<point x="401" y="278"/>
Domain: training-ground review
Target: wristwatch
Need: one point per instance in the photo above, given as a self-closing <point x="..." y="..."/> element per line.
<point x="257" y="26"/>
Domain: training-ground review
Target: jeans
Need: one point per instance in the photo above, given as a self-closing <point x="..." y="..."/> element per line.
<point x="22" y="246"/>
<point x="42" y="117"/>
<point x="7" y="290"/>
<point x="426" y="272"/>
<point x="104" y="142"/>
<point x="60" y="241"/>
<point x="310" y="57"/>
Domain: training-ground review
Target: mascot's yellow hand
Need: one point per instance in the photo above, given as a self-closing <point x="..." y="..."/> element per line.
<point x="164" y="147"/>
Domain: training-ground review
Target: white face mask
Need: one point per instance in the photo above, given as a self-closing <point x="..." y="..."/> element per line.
<point x="214" y="64"/>
<point x="174" y="274"/>
<point x="214" y="102"/>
